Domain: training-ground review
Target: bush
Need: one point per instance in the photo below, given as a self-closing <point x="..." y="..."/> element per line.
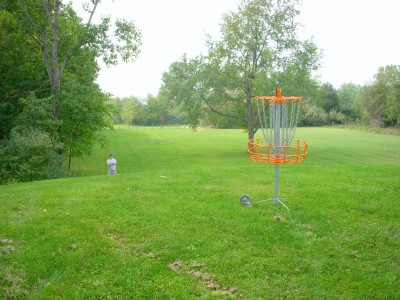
<point x="336" y="117"/>
<point x="29" y="156"/>
<point x="313" y="116"/>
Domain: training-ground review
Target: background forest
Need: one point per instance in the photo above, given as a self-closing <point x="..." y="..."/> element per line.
<point x="52" y="110"/>
<point x="376" y="104"/>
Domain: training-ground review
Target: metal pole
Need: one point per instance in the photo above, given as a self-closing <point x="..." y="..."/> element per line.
<point x="277" y="145"/>
<point x="276" y="184"/>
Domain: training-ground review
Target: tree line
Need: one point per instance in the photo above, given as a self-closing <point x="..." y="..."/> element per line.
<point x="373" y="104"/>
<point x="52" y="110"/>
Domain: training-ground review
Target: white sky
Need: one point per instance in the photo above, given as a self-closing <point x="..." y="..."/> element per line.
<point x="356" y="36"/>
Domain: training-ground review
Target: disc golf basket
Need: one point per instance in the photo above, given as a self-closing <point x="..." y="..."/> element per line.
<point x="278" y="118"/>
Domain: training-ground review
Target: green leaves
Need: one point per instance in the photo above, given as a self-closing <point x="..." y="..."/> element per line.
<point x="30" y="155"/>
<point x="85" y="112"/>
<point x="379" y="103"/>
<point x="113" y="42"/>
<point x="37" y="114"/>
<point x="182" y="86"/>
<point x="129" y="39"/>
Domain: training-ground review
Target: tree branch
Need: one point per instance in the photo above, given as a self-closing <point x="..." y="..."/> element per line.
<point x="28" y="16"/>
<point x="45" y="8"/>
<point x="221" y="113"/>
<point x="81" y="42"/>
<point x="55" y="28"/>
<point x="45" y="49"/>
<point x="69" y="54"/>
<point x="92" y="12"/>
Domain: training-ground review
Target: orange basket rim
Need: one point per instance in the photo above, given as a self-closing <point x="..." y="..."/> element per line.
<point x="275" y="99"/>
<point x="256" y="141"/>
<point x="255" y="152"/>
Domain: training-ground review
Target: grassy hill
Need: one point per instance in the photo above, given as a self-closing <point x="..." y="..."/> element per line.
<point x="170" y="225"/>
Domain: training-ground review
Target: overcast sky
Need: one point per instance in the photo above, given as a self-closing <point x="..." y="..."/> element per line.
<point x="356" y="36"/>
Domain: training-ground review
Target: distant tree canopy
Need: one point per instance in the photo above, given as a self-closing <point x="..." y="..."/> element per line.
<point x="152" y="111"/>
<point x="48" y="85"/>
<point x="376" y="103"/>
<point x="379" y="103"/>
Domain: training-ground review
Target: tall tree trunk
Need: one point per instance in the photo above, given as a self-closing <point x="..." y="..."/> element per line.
<point x="69" y="159"/>
<point x="251" y="117"/>
<point x="55" y="75"/>
<point x="49" y="47"/>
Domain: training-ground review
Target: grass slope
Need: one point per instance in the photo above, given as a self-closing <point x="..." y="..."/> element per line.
<point x="170" y="225"/>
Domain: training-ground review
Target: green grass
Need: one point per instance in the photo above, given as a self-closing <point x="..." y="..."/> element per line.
<point x="170" y="225"/>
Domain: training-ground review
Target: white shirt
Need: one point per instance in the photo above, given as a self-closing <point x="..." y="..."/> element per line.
<point x="112" y="164"/>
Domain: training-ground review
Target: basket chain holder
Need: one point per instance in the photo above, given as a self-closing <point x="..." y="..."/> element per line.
<point x="278" y="146"/>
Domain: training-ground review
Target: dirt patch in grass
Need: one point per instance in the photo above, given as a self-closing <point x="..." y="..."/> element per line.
<point x="12" y="279"/>
<point x="6" y="246"/>
<point x="12" y="282"/>
<point x="206" y="279"/>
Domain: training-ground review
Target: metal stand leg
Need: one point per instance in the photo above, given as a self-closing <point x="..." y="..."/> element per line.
<point x="276" y="199"/>
<point x="276" y="184"/>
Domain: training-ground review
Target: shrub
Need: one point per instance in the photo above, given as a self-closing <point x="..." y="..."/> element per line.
<point x="313" y="116"/>
<point x="29" y="156"/>
<point x="336" y="117"/>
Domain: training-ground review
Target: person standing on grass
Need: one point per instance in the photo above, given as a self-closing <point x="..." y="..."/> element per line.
<point x="112" y="165"/>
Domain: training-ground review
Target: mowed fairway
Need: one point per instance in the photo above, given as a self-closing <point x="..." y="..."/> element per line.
<point x="170" y="225"/>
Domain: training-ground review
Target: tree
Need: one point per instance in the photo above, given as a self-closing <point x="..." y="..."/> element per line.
<point x="379" y="103"/>
<point x="181" y="87"/>
<point x="156" y="110"/>
<point x="298" y="76"/>
<point x="85" y="112"/>
<point x="60" y="34"/>
<point x="258" y="45"/>
<point x="131" y="108"/>
<point x="117" y="104"/>
<point x="347" y="94"/>
<point x="329" y="98"/>
<point x="388" y="81"/>
<point x="393" y="105"/>
<point x="21" y="72"/>
<point x="364" y="104"/>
